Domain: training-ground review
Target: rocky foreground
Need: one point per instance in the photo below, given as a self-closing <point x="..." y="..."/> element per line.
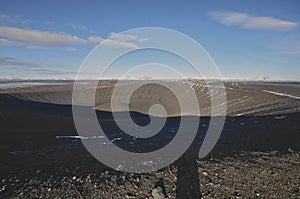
<point x="248" y="175"/>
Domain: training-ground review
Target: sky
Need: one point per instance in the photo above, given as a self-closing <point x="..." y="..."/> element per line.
<point x="249" y="39"/>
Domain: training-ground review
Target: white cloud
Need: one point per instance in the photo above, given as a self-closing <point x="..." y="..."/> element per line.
<point x="123" y="40"/>
<point x="95" y="39"/>
<point x="118" y="43"/>
<point x="40" y="37"/>
<point x="36" y="47"/>
<point x="118" y="40"/>
<point x="250" y="22"/>
<point x="126" y="37"/>
<point x="35" y="39"/>
<point x="69" y="48"/>
<point x="5" y="42"/>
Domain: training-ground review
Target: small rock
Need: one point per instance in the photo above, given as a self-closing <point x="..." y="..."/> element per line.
<point x="236" y="193"/>
<point x="204" y="173"/>
<point x="78" y="180"/>
<point x="3" y="188"/>
<point x="157" y="193"/>
<point x="129" y="196"/>
<point x="74" y="178"/>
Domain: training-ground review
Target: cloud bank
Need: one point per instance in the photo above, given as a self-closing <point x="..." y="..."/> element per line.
<point x="39" y="37"/>
<point x="34" y="39"/>
<point x="252" y="22"/>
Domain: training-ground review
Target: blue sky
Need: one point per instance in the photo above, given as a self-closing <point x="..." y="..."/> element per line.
<point x="246" y="39"/>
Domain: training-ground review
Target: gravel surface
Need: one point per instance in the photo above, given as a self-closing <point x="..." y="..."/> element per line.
<point x="247" y="175"/>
